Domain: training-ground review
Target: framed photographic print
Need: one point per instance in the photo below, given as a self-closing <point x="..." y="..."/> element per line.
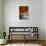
<point x="23" y="12"/>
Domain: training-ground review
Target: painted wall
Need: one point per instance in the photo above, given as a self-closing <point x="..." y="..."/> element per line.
<point x="36" y="15"/>
<point x="39" y="12"/>
<point x="0" y="18"/>
<point x="45" y="19"/>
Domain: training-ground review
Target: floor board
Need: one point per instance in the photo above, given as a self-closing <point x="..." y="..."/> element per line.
<point x="25" y="43"/>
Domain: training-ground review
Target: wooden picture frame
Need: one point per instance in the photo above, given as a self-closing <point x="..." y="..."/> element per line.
<point x="23" y="12"/>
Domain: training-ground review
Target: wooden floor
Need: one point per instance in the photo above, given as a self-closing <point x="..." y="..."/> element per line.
<point x="40" y="42"/>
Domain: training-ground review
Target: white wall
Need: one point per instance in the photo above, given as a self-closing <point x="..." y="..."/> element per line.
<point x="36" y="15"/>
<point x="0" y="18"/>
<point x="39" y="12"/>
<point x="45" y="19"/>
<point x="0" y="11"/>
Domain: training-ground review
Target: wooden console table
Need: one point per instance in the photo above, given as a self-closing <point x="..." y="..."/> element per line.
<point x="26" y="31"/>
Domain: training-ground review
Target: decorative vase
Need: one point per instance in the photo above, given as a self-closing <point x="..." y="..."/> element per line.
<point x="4" y="35"/>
